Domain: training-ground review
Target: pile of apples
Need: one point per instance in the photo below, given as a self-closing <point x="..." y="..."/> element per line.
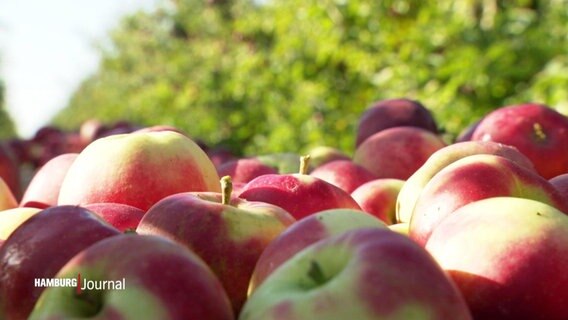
<point x="408" y="227"/>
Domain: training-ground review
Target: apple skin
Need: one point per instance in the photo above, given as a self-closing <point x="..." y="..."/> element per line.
<point x="222" y="235"/>
<point x="378" y="197"/>
<point x="412" y="147"/>
<point x="412" y="188"/>
<point x="401" y="228"/>
<point x="38" y="248"/>
<point x="321" y="155"/>
<point x="121" y="216"/>
<point x="43" y="190"/>
<point x="391" y="113"/>
<point x="11" y="219"/>
<point x="9" y="169"/>
<point x="220" y="155"/>
<point x="163" y="280"/>
<point x="305" y="232"/>
<point x="475" y="178"/>
<point x="7" y="199"/>
<point x="467" y="133"/>
<point x="244" y="170"/>
<point x="299" y="194"/>
<point x="508" y="256"/>
<point x="344" y="174"/>
<point x="360" y="274"/>
<point x="560" y="182"/>
<point x="538" y="131"/>
<point x="137" y="169"/>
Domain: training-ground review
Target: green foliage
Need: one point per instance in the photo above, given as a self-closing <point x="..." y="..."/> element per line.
<point x="287" y="75"/>
<point x="6" y="125"/>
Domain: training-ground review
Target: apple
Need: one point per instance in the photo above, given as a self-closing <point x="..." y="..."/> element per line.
<point x="38" y="248"/>
<point x="162" y="280"/>
<point x="121" y="216"/>
<point x="9" y="169"/>
<point x="137" y="169"/>
<point x="344" y="174"/>
<point x="467" y="133"/>
<point x="305" y="232"/>
<point x="560" y="182"/>
<point x="43" y="190"/>
<point x="378" y="197"/>
<point x="391" y="113"/>
<point x="299" y="193"/>
<point x="227" y="232"/>
<point x="472" y="179"/>
<point x="401" y="227"/>
<point x="11" y="219"/>
<point x="397" y="152"/>
<point x="538" y="131"/>
<point x="508" y="256"/>
<point x="321" y="155"/>
<point x="440" y="159"/>
<point x="360" y="274"/>
<point x="284" y="163"/>
<point x="220" y="155"/>
<point x="7" y="199"/>
<point x="244" y="170"/>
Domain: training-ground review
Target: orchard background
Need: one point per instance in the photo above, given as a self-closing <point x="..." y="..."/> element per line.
<point x="287" y="75"/>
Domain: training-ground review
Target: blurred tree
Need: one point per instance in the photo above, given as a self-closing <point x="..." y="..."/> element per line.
<point x="6" y="125"/>
<point x="285" y="75"/>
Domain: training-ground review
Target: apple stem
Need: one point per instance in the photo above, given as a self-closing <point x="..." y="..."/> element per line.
<point x="226" y="189"/>
<point x="316" y="273"/>
<point x="304" y="163"/>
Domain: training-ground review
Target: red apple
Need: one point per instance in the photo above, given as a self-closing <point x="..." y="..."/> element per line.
<point x="560" y="182"/>
<point x="472" y="179"/>
<point x="121" y="216"/>
<point x="244" y="170"/>
<point x="162" y="280"/>
<point x="7" y="199"/>
<point x="9" y="170"/>
<point x="539" y="132"/>
<point x="440" y="159"/>
<point x="299" y="193"/>
<point x="378" y="197"/>
<point x="137" y="169"/>
<point x="323" y="154"/>
<point x="38" y="248"/>
<point x="344" y="174"/>
<point x="508" y="256"/>
<point x="397" y="152"/>
<point x="363" y="274"/>
<point x="229" y="235"/>
<point x="305" y="232"/>
<point x="391" y="113"/>
<point x="43" y="189"/>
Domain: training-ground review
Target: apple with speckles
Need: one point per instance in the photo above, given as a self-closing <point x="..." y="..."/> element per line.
<point x="137" y="169"/>
<point x="366" y="273"/>
<point x="227" y="232"/>
<point x="298" y="193"/>
<point x="153" y="278"/>
<point x="508" y="256"/>
<point x="475" y="178"/>
<point x="412" y="188"/>
<point x="378" y="197"/>
<point x="38" y="248"/>
<point x="305" y="232"/>
<point x="397" y="152"/>
<point x="538" y="131"/>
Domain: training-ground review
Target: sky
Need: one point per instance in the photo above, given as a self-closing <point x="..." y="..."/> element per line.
<point x="47" y="47"/>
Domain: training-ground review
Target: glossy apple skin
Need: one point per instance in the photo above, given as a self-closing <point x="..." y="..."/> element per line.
<point x="378" y="197"/>
<point x="43" y="190"/>
<point x="538" y="131"/>
<point x="137" y="169"/>
<point x="121" y="216"/>
<point x="344" y="174"/>
<point x="229" y="238"/>
<point x="360" y="274"/>
<point x="508" y="256"/>
<point x="244" y="170"/>
<point x="412" y="147"/>
<point x="440" y="159"/>
<point x="38" y="248"/>
<point x="299" y="194"/>
<point x="472" y="179"/>
<point x="391" y="113"/>
<point x="163" y="280"/>
<point x="305" y="232"/>
<point x="560" y="182"/>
